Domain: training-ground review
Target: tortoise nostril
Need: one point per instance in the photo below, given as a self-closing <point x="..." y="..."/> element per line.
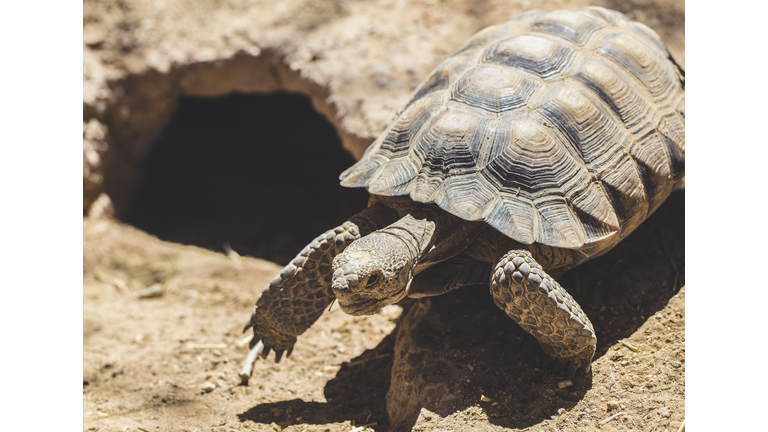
<point x="340" y="285"/>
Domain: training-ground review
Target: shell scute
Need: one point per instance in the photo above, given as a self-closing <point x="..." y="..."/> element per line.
<point x="562" y="128"/>
<point x="494" y="89"/>
<point x="576" y="28"/>
<point x="657" y="75"/>
<point x="540" y="56"/>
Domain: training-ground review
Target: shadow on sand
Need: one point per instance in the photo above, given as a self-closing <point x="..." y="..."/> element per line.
<point x="619" y="292"/>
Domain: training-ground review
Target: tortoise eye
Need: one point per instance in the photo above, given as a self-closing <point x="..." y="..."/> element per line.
<point x="372" y="280"/>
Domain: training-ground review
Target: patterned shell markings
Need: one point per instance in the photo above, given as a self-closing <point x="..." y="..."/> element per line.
<point x="562" y="128"/>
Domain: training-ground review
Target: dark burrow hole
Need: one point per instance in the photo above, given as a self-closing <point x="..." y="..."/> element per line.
<point x="260" y="172"/>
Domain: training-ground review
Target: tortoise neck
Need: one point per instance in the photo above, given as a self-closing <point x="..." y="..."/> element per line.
<point x="415" y="234"/>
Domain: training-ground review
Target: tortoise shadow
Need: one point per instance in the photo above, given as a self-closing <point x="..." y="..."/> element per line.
<point x="357" y="394"/>
<point x="619" y="291"/>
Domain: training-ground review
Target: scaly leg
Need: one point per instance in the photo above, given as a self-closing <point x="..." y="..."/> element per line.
<point x="297" y="297"/>
<point x="522" y="289"/>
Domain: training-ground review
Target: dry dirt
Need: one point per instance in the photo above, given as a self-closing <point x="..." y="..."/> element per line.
<point x="146" y="360"/>
<point x="162" y="321"/>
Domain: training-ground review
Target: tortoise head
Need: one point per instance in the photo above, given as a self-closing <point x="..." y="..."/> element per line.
<point x="372" y="272"/>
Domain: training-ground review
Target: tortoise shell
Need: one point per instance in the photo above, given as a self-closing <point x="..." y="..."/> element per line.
<point x="564" y="128"/>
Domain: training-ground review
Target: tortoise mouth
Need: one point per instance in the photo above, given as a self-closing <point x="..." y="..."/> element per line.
<point x="358" y="305"/>
<point x="358" y="309"/>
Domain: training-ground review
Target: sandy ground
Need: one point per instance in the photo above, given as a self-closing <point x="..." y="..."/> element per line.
<point x="171" y="362"/>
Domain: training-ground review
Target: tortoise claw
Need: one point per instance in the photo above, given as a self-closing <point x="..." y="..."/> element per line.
<point x="278" y="355"/>
<point x="267" y="350"/>
<point x="566" y="367"/>
<point x="571" y="370"/>
<point x="249" y="324"/>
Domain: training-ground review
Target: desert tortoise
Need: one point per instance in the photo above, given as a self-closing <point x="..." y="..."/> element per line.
<point x="537" y="145"/>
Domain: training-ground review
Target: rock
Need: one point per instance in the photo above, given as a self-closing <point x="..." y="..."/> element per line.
<point x="208" y="386"/>
<point x="664" y="412"/>
<point x="357" y="62"/>
<point x="156" y="290"/>
<point x="94" y="145"/>
<point x="611" y="405"/>
<point x="426" y="414"/>
<point x="426" y="421"/>
<point x="101" y="207"/>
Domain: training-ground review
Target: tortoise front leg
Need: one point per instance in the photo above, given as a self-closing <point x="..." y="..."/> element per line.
<point x="522" y="289"/>
<point x="297" y="297"/>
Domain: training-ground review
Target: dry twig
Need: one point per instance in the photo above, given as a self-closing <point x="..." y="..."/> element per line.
<point x="614" y="416"/>
<point x="244" y="341"/>
<point x="111" y="280"/>
<point x="197" y="346"/>
<point x="247" y="370"/>
<point x="628" y="345"/>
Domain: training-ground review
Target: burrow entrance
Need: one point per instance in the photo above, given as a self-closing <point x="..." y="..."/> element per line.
<point x="257" y="171"/>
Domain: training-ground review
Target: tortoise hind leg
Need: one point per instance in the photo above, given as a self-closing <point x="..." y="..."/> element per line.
<point x="522" y="289"/>
<point x="297" y="297"/>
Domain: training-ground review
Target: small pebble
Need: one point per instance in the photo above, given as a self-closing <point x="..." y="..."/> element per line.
<point x="561" y="411"/>
<point x="664" y="412"/>
<point x="426" y="414"/>
<point x="208" y="386"/>
<point x="624" y="363"/>
<point x="676" y="364"/>
<point x="155" y="290"/>
<point x="564" y="384"/>
<point x="609" y="384"/>
<point x="612" y="405"/>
